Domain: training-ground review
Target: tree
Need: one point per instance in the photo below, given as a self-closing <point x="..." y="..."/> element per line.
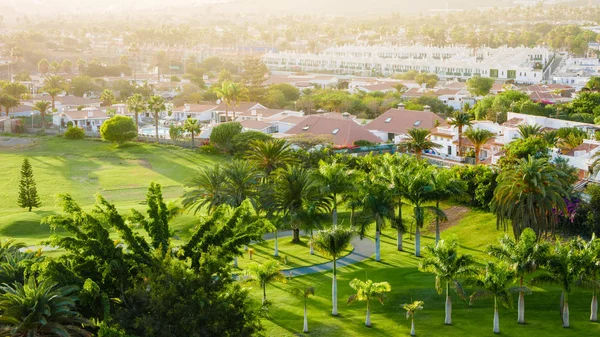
<point x="223" y="94"/>
<point x="42" y="107"/>
<point x="528" y="195"/>
<point x="264" y="274"/>
<point x="74" y="133"/>
<point x="333" y="242"/>
<point x="444" y="185"/>
<point x="242" y="141"/>
<point x="67" y="66"/>
<point x="478" y="137"/>
<point x="159" y="61"/>
<point x="460" y="120"/>
<point x="524" y="256"/>
<point x="28" y="197"/>
<point x="8" y="102"/>
<point x="41" y="309"/>
<point x="253" y="76"/>
<point x="82" y="85"/>
<point x="15" y="89"/>
<point x="222" y="135"/>
<point x="107" y="97"/>
<point x="591" y="272"/>
<point x="118" y="129"/>
<point x="305" y="293"/>
<point x="192" y="126"/>
<point x="528" y="130"/>
<point x="367" y="290"/>
<point x="480" y="86"/>
<point x="136" y="104"/>
<point x="417" y="142"/>
<point x="43" y="66"/>
<point x="377" y="202"/>
<point x="593" y="84"/>
<point x="232" y="94"/>
<point x="494" y="282"/>
<point x="411" y="309"/>
<point x="449" y="267"/>
<point x="270" y="155"/>
<point x="563" y="267"/>
<point x="53" y="86"/>
<point x="241" y="182"/>
<point x="156" y="104"/>
<point x="334" y="180"/>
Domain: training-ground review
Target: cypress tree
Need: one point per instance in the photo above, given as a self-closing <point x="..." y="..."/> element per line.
<point x="28" y="197"/>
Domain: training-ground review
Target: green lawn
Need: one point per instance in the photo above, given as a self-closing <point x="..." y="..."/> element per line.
<point x="86" y="167"/>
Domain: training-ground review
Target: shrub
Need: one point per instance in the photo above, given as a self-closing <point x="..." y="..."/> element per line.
<point x="222" y="135"/>
<point x="74" y="133"/>
<point x="118" y="129"/>
<point x="363" y="142"/>
<point x="241" y="142"/>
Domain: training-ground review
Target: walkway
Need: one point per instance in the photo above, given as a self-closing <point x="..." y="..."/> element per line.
<point x="363" y="249"/>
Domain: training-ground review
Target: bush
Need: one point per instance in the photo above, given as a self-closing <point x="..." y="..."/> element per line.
<point x="74" y="133"/>
<point x="241" y="142"/>
<point x="364" y="143"/>
<point x="208" y="149"/>
<point x="222" y="135"/>
<point x="118" y="129"/>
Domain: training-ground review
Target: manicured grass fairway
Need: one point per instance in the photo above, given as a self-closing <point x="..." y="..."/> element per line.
<point x="84" y="168"/>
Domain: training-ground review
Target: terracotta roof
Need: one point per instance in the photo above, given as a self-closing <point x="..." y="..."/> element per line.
<point x="255" y="125"/>
<point x="398" y="121"/>
<point x="82" y="114"/>
<point x="344" y="131"/>
<point x="292" y="119"/>
<point x="416" y="92"/>
<point x="457" y="85"/>
<point x="381" y="86"/>
<point x="24" y="108"/>
<point x="442" y="134"/>
<point x="513" y="122"/>
<point x="587" y="147"/>
<point x="447" y="91"/>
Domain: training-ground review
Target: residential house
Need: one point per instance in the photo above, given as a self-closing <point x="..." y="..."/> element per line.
<point x="394" y="124"/>
<point x="89" y="119"/>
<point x="344" y="131"/>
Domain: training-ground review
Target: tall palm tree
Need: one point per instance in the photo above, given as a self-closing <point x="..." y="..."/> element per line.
<point x="313" y="213"/>
<point x="156" y="104"/>
<point x="591" y="272"/>
<point x="264" y="274"/>
<point x="417" y="142"/>
<point x="366" y="291"/>
<point x="478" y="137"/>
<point x="529" y="194"/>
<point x="53" y="86"/>
<point x="333" y="242"/>
<point x="15" y="89"/>
<point x="237" y="93"/>
<point x="305" y="293"/>
<point x="528" y="130"/>
<point x="270" y="155"/>
<point x="449" y="267"/>
<point x="444" y="186"/>
<point x="241" y="182"/>
<point x="334" y="180"/>
<point x="205" y="189"/>
<point x="494" y="282"/>
<point x="42" y="107"/>
<point x="40" y="309"/>
<point x="524" y="256"/>
<point x="224" y="95"/>
<point x="136" y="104"/>
<point x="107" y="97"/>
<point x="8" y="102"/>
<point x="378" y="203"/>
<point x="192" y="126"/>
<point x="563" y="267"/>
<point x="411" y="309"/>
<point x="460" y="120"/>
<point x="419" y="191"/>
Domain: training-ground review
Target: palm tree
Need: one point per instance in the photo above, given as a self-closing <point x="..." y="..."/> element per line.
<point x="411" y="309"/>
<point x="224" y="95"/>
<point x="107" y="97"/>
<point x="206" y="188"/>
<point x="494" y="282"/>
<point x="528" y="130"/>
<point x="192" y="126"/>
<point x="43" y="66"/>
<point x="313" y="213"/>
<point x="366" y="291"/>
<point x="524" y="256"/>
<point x="460" y="120"/>
<point x="563" y="267"/>
<point x="419" y="191"/>
<point x="264" y="274"/>
<point x="156" y="104"/>
<point x="444" y="186"/>
<point x="449" y="267"/>
<point x="15" y="89"/>
<point x="53" y="86"/>
<point x="40" y="309"/>
<point x="378" y="203"/>
<point x="8" y="102"/>
<point x="591" y="272"/>
<point x="237" y="93"/>
<point x="159" y="58"/>
<point x="270" y="155"/>
<point x="136" y="104"/>
<point x="241" y="182"/>
<point x="334" y="180"/>
<point x="305" y="293"/>
<point x="478" y="137"/>
<point x="529" y="194"/>
<point x="42" y="107"/>
<point x="333" y="242"/>
<point x="417" y="142"/>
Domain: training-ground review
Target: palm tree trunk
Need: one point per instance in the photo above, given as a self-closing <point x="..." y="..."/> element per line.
<point x="496" y="317"/>
<point x="334" y="310"/>
<point x="43" y="115"/>
<point x="417" y="241"/>
<point x="377" y="243"/>
<point x="312" y="247"/>
<point x="264" y="286"/>
<point x="521" y="305"/>
<point x="565" y="314"/>
<point x="400" y="227"/>
<point x="276" y="253"/>
<point x="296" y="237"/>
<point x="192" y="139"/>
<point x="412" y="326"/>
<point x="137" y="123"/>
<point x="562" y="302"/>
<point x="594" y="308"/>
<point x="448" y="319"/>
<point x="235" y="262"/>
<point x="368" y="319"/>
<point x="334" y="213"/>
<point x="477" y="151"/>
<point x="156" y="125"/>
<point x="437" y="224"/>
<point x="305" y="330"/>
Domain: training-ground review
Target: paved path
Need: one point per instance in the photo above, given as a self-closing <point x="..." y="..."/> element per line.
<point x="363" y="249"/>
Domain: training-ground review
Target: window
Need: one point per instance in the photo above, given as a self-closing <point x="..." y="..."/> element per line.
<point x="306" y="128"/>
<point x="417" y="123"/>
<point x="335" y="131"/>
<point x="389" y="119"/>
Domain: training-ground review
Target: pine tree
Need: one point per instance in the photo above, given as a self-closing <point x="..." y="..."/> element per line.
<point x="28" y="197"/>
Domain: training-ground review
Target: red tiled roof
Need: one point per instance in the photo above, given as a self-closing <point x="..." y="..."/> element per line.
<point x="344" y="131"/>
<point x="398" y="121"/>
<point x="513" y="122"/>
<point x="587" y="147"/>
<point x="254" y="124"/>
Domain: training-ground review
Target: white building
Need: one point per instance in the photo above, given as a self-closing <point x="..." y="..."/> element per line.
<point x="523" y="65"/>
<point x="577" y="72"/>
